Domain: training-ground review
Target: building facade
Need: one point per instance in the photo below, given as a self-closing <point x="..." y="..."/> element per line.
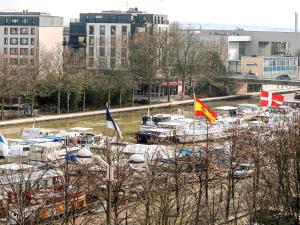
<point x="270" y="66"/>
<point x="24" y="34"/>
<point x="234" y="44"/>
<point x="105" y="35"/>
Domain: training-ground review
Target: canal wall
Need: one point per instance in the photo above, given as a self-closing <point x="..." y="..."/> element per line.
<point x="116" y="110"/>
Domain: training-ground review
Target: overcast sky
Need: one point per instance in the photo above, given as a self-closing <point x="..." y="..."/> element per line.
<point x="267" y="13"/>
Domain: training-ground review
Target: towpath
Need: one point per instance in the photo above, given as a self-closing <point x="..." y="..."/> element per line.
<point x="128" y="109"/>
<point x="113" y="110"/>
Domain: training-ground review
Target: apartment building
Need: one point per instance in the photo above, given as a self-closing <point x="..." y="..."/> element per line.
<point x="105" y="35"/>
<point x="234" y="44"/>
<point x="23" y="34"/>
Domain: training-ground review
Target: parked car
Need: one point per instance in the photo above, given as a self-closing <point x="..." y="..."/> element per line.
<point x="297" y="96"/>
<point x="243" y="170"/>
<point x="251" y="75"/>
<point x="283" y="77"/>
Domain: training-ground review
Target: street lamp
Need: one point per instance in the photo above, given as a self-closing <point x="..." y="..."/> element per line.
<point x="122" y="91"/>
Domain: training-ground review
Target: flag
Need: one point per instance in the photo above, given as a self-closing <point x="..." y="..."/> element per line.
<point x="3" y="146"/>
<point x="268" y="99"/>
<point x="110" y="123"/>
<point x="202" y="110"/>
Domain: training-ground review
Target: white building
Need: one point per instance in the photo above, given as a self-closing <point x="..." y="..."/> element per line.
<point x="107" y="44"/>
<point x="105" y="35"/>
<point x="24" y="34"/>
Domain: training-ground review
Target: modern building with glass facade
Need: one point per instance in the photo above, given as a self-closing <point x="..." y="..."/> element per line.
<point x="234" y="44"/>
<point x="270" y="66"/>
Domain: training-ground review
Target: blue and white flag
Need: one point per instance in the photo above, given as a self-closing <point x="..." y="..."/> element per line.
<point x="110" y="123"/>
<point x="3" y="146"/>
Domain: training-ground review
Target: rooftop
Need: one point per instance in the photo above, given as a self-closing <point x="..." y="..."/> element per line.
<point x="24" y="12"/>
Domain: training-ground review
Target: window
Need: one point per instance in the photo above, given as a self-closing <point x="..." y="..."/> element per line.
<point x="43" y="183"/>
<point x="32" y="31"/>
<point x="5" y="30"/>
<point x="13" y="51"/>
<point x="91" y="62"/>
<point x="102" y="51"/>
<point x="124" y="42"/>
<point x="102" y="41"/>
<point x="6" y="20"/>
<point x="24" y="41"/>
<point x="13" y="61"/>
<point x="24" y="21"/>
<point x="112" y="63"/>
<point x="24" y="31"/>
<point x="112" y="52"/>
<point x="14" y="30"/>
<point x="241" y="49"/>
<point x="32" y="41"/>
<point x="113" y="41"/>
<point x="124" y="52"/>
<point x="32" y="51"/>
<point x="91" y="41"/>
<point x="91" y="51"/>
<point x="5" y="51"/>
<point x="23" y="51"/>
<point x="102" y="63"/>
<point x="102" y="30"/>
<point x="5" y="41"/>
<point x="280" y="48"/>
<point x="113" y="30"/>
<point x="124" y="62"/>
<point x="91" y="30"/>
<point x="264" y="48"/>
<point x="14" y="21"/>
<point x="14" y="41"/>
<point x="124" y="30"/>
<point x="23" y="61"/>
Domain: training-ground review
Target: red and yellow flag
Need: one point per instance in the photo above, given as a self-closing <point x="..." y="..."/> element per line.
<point x="202" y="110"/>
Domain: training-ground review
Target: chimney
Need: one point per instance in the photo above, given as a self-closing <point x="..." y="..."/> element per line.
<point x="296" y="22"/>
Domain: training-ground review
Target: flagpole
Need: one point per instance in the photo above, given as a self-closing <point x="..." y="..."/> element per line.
<point x="109" y="185"/>
<point x="194" y="122"/>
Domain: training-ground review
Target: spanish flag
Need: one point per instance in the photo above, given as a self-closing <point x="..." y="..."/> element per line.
<point x="202" y="110"/>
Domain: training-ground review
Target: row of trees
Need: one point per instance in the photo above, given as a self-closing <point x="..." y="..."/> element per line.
<point x="62" y="75"/>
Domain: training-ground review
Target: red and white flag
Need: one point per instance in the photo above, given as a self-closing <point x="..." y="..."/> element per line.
<point x="268" y="99"/>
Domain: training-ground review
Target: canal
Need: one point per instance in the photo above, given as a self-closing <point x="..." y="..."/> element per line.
<point x="127" y="121"/>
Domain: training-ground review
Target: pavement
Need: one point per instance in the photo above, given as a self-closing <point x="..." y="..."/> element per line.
<point x="128" y="109"/>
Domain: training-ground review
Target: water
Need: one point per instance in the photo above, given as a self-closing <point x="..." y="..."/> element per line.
<point x="127" y="121"/>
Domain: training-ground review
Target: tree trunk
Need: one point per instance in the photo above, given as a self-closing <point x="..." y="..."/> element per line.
<point x="32" y="103"/>
<point x="58" y="101"/>
<point x="149" y="92"/>
<point x="183" y="89"/>
<point x="2" y="109"/>
<point x="169" y="90"/>
<point x="132" y="100"/>
<point x="84" y="96"/>
<point x="68" y="102"/>
<point x="108" y="97"/>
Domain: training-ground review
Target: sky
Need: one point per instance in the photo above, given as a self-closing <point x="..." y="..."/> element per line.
<point x="268" y="13"/>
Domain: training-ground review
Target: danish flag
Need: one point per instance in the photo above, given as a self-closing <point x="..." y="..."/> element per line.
<point x="268" y="99"/>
